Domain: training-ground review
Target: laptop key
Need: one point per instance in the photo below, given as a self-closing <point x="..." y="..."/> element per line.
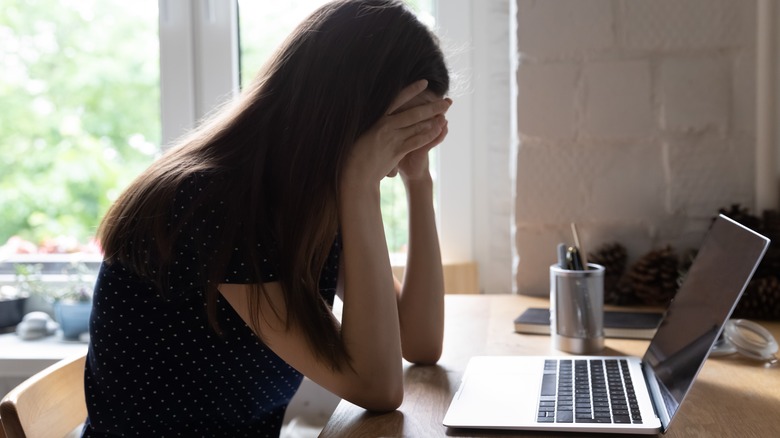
<point x="621" y="419"/>
<point x="548" y="384"/>
<point x="564" y="417"/>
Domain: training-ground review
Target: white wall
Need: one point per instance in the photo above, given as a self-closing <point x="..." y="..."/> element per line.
<point x="635" y="119"/>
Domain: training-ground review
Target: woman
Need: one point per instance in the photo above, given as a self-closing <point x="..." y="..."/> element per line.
<point x="223" y="258"/>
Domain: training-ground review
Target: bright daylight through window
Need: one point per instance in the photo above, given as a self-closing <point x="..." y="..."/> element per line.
<point x="80" y="92"/>
<point x="80" y="87"/>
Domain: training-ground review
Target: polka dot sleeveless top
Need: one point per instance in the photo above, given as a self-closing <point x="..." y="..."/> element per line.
<point x="155" y="366"/>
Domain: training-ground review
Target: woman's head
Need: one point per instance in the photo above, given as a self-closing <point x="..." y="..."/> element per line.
<point x="357" y="54"/>
<point x="340" y="69"/>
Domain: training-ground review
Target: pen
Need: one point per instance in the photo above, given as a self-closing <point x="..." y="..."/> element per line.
<point x="573" y="259"/>
<point x="578" y="245"/>
<point x="562" y="256"/>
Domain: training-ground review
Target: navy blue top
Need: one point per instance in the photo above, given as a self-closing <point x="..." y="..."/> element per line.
<point x="155" y="366"/>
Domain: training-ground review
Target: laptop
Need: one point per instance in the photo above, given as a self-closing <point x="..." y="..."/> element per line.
<point x="606" y="394"/>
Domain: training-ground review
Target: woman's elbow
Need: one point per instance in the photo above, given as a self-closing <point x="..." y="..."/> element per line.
<point x="423" y="356"/>
<point x="384" y="399"/>
<point x="387" y="404"/>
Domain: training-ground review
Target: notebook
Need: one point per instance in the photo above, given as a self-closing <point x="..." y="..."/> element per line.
<point x="617" y="323"/>
<point x="626" y="394"/>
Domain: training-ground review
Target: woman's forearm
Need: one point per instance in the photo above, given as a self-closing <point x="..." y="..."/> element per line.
<point x="370" y="321"/>
<point x="421" y="300"/>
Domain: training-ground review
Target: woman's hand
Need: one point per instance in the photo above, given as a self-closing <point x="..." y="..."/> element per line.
<point x="414" y="166"/>
<point x="395" y="135"/>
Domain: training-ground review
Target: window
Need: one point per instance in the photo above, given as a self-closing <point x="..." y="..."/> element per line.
<point x="80" y="92"/>
<point x="70" y="148"/>
<point x="93" y="89"/>
<point x="192" y="50"/>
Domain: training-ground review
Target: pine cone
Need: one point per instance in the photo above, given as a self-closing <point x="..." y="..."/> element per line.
<point x="761" y="300"/>
<point x="613" y="257"/>
<point x="623" y="294"/>
<point x="653" y="278"/>
<point x="686" y="260"/>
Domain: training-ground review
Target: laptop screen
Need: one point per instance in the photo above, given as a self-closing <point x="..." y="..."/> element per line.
<point x="723" y="266"/>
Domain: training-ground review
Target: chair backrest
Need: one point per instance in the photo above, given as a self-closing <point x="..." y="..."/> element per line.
<point x="48" y="404"/>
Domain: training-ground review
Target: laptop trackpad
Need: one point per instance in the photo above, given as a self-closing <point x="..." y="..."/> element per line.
<point x="498" y="393"/>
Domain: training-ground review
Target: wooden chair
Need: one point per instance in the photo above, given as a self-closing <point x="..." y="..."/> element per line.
<point x="48" y="404"/>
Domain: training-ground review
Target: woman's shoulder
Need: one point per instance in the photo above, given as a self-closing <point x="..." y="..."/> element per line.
<point x="200" y="193"/>
<point x="199" y="184"/>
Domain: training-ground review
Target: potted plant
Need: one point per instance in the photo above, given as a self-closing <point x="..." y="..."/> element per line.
<point x="28" y="281"/>
<point x="67" y="297"/>
<point x="73" y="305"/>
<point x="73" y="315"/>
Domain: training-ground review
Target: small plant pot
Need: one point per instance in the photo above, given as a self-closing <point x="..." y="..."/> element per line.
<point x="73" y="318"/>
<point x="11" y="312"/>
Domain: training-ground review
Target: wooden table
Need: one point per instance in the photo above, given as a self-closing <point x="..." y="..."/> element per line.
<point x="732" y="396"/>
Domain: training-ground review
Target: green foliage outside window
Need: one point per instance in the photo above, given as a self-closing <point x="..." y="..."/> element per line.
<point x="80" y="99"/>
<point x="80" y="117"/>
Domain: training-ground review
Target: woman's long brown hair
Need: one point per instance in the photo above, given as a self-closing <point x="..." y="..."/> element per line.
<point x="275" y="156"/>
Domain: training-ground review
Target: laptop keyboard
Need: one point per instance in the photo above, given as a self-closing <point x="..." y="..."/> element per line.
<point x="587" y="391"/>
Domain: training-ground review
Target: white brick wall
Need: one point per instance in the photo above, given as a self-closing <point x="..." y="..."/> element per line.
<point x="580" y="25"/>
<point x="551" y="91"/>
<point x="694" y="93"/>
<point x="706" y="174"/>
<point x="636" y="120"/>
<point x="669" y="25"/>
<point x="618" y="99"/>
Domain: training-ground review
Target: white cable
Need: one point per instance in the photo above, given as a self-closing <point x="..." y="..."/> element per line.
<point x="722" y="347"/>
<point x="750" y="339"/>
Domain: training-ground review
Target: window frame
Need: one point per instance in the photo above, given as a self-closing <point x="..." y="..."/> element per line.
<point x="199" y="67"/>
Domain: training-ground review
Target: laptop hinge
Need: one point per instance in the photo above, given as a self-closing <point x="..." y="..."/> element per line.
<point x="656" y="395"/>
